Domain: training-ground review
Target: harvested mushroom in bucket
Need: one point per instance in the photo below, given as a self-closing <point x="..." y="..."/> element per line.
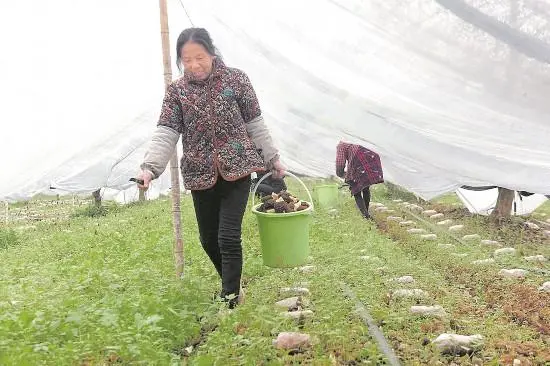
<point x="283" y="202"/>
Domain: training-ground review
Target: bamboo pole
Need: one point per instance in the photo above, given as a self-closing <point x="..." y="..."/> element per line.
<point x="141" y="195"/>
<point x="174" y="173"/>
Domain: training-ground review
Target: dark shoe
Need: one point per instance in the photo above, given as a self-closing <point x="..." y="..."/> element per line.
<point x="231" y="300"/>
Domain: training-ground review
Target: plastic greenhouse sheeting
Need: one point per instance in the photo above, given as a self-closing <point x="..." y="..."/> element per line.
<point x="107" y="164"/>
<point x="448" y="92"/>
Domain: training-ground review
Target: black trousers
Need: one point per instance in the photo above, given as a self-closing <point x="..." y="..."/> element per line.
<point x="264" y="190"/>
<point x="219" y="211"/>
<point x="362" y="200"/>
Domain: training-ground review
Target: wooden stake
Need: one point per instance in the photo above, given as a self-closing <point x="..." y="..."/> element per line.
<point x="174" y="171"/>
<point x="503" y="208"/>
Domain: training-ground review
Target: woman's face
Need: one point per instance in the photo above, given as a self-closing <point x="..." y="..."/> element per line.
<point x="196" y="60"/>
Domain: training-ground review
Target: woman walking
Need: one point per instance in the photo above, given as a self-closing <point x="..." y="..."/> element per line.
<point x="215" y="110"/>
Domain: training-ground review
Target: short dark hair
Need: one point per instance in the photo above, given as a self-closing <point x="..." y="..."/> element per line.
<point x="197" y="35"/>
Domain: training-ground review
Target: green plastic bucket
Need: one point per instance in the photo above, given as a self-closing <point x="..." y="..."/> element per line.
<point x="284" y="237"/>
<point x="327" y="195"/>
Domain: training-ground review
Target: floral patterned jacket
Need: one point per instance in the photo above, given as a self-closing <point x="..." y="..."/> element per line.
<point x="221" y="126"/>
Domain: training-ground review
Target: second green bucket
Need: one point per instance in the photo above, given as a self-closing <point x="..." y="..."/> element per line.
<point x="327" y="195"/>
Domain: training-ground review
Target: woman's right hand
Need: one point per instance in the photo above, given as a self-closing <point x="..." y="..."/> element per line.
<point x="278" y="170"/>
<point x="147" y="177"/>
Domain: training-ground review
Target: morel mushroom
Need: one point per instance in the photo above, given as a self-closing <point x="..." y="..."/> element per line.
<point x="286" y="197"/>
<point x="280" y="207"/>
<point x="302" y="206"/>
<point x="269" y="204"/>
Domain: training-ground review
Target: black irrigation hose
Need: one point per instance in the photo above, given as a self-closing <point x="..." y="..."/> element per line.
<point x="371" y="324"/>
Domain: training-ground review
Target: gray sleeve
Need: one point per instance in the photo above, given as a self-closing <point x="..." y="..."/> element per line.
<point x="160" y="150"/>
<point x="260" y="136"/>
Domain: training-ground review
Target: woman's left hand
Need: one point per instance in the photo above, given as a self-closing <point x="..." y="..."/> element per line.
<point x="278" y="169"/>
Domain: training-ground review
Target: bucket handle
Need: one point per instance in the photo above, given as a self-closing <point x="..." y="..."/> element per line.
<point x="286" y="173"/>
